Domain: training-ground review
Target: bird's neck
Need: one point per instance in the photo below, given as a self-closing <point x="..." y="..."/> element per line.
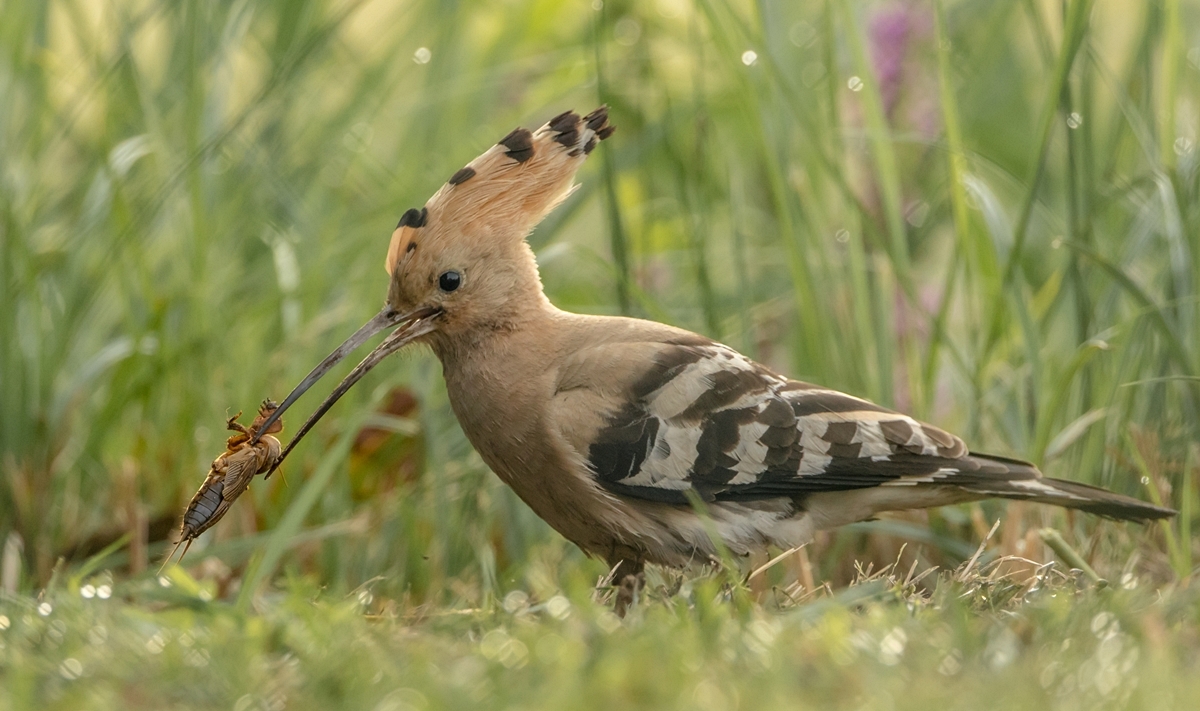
<point x="498" y="380"/>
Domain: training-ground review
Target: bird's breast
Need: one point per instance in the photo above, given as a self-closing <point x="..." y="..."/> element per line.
<point x="503" y="412"/>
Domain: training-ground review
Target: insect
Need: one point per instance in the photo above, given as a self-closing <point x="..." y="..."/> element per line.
<point x="230" y="474"/>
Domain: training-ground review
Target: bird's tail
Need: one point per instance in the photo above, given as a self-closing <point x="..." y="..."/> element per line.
<point x="1014" y="479"/>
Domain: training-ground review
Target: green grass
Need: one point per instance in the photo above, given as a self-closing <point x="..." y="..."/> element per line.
<point x="195" y="197"/>
<point x="975" y="640"/>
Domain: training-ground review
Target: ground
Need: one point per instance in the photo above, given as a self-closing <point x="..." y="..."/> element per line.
<point x="965" y="639"/>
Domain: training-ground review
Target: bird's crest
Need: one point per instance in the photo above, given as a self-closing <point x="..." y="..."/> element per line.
<point x="509" y="188"/>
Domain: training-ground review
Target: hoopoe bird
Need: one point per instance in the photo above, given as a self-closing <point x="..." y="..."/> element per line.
<point x="623" y="434"/>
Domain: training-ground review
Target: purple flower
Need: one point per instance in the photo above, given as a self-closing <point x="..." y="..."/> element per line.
<point x="890" y="30"/>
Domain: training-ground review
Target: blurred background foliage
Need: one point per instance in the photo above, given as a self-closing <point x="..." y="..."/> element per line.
<point x="984" y="213"/>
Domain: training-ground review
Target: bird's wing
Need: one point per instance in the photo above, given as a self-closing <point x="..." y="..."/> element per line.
<point x="698" y="418"/>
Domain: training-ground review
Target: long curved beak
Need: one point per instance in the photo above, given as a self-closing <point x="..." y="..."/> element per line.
<point x="412" y="325"/>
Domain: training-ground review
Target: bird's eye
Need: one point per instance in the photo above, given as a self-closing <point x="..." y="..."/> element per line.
<point x="449" y="281"/>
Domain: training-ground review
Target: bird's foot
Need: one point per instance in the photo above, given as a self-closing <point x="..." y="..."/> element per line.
<point x="629" y="589"/>
<point x="627" y="580"/>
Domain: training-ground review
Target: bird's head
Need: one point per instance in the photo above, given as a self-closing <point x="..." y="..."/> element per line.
<point x="460" y="263"/>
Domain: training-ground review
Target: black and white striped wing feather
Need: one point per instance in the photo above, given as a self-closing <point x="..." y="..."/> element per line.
<point x="705" y="419"/>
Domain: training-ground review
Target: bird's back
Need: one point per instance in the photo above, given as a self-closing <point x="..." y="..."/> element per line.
<point x="616" y="430"/>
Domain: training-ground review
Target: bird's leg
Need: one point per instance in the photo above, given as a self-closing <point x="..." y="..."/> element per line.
<point x="629" y="579"/>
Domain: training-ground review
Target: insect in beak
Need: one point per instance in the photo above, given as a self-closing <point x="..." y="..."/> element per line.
<point x="412" y="325"/>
